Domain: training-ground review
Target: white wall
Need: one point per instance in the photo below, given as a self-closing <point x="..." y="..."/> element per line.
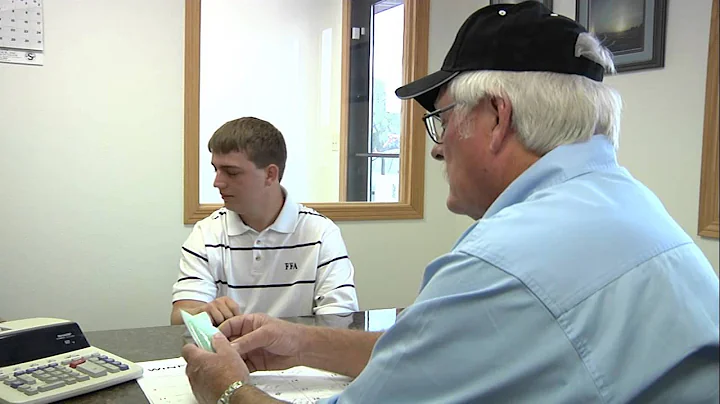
<point x="91" y="164"/>
<point x="249" y="67"/>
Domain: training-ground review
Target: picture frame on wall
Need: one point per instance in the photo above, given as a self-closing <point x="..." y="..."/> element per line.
<point x="633" y="30"/>
<point x="547" y="3"/>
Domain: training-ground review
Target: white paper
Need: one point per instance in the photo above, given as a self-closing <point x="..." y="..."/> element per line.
<point x="380" y="320"/>
<point x="164" y="381"/>
<point x="21" y="57"/>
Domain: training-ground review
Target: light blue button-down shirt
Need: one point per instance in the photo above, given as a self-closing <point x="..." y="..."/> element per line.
<point x="575" y="287"/>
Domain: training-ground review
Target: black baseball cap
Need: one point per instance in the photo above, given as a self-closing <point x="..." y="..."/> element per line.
<point x="512" y="37"/>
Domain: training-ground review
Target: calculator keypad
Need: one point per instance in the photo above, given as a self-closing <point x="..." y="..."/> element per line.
<point x="49" y="376"/>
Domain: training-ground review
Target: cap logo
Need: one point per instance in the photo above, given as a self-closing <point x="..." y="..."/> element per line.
<point x="502" y="13"/>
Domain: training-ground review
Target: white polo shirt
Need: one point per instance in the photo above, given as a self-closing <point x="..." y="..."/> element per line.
<point x="298" y="266"/>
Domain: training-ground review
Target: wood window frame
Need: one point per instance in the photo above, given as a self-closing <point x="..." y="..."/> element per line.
<point x="412" y="147"/>
<point x="708" y="221"/>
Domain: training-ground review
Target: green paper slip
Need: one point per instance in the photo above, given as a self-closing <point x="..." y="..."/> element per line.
<point x="201" y="329"/>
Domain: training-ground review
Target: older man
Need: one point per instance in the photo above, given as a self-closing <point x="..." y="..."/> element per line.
<point x="573" y="286"/>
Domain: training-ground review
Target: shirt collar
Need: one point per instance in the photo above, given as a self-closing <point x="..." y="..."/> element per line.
<point x="288" y="217"/>
<point x="559" y="165"/>
<point x="284" y="223"/>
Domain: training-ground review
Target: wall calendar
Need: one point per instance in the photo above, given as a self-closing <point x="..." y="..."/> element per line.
<point x="21" y="31"/>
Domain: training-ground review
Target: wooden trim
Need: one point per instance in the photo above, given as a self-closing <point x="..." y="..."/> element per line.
<point x="412" y="158"/>
<point x="344" y="97"/>
<point x="708" y="221"/>
<point x="415" y="58"/>
<point x="192" y="112"/>
<point x="344" y="211"/>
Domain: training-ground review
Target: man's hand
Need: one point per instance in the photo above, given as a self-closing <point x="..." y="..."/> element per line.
<point x="222" y="309"/>
<point x="266" y="343"/>
<point x="211" y="373"/>
<point x="219" y="309"/>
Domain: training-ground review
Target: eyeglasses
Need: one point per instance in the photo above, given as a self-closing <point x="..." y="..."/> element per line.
<point x="435" y="125"/>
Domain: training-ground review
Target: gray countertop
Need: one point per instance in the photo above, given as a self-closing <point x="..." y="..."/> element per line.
<point x="136" y="345"/>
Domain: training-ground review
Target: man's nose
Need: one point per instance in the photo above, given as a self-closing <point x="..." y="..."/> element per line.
<point x="218" y="183"/>
<point x="437" y="153"/>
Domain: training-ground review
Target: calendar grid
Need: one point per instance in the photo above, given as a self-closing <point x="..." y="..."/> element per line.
<point x="21" y="25"/>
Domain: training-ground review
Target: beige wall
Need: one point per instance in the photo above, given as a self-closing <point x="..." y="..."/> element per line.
<point x="662" y="125"/>
<point x="91" y="164"/>
<point x="663" y="120"/>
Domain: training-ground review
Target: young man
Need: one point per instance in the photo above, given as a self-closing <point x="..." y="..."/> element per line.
<point x="574" y="285"/>
<point x="262" y="252"/>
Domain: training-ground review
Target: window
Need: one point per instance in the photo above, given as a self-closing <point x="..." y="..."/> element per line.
<point x="350" y="158"/>
<point x="375" y="113"/>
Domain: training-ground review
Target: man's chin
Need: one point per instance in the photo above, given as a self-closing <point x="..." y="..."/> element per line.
<point x="457" y="208"/>
<point x="453" y="206"/>
<point x="233" y="208"/>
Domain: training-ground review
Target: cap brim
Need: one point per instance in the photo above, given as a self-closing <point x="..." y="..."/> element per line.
<point x="425" y="90"/>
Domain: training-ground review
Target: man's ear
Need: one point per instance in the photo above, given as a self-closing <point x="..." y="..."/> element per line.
<point x="272" y="174"/>
<point x="501" y="132"/>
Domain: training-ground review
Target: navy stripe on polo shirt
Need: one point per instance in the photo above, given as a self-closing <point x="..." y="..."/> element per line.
<point x="292" y="268"/>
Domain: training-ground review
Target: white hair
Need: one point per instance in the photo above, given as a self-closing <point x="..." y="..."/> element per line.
<point x="549" y="109"/>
